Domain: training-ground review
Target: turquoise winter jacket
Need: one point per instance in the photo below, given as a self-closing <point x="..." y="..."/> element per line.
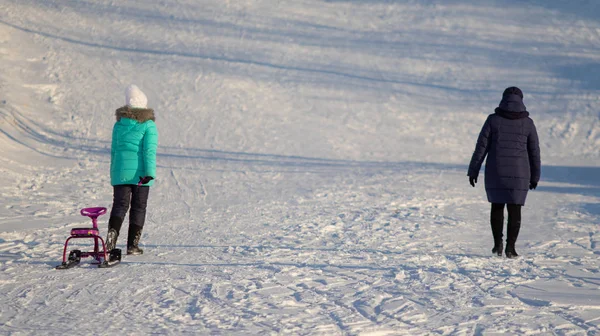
<point x="133" y="148"/>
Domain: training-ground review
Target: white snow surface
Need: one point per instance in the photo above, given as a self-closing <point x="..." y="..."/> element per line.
<point x="311" y="169"/>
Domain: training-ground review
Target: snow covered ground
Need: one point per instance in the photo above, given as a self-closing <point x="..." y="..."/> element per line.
<point x="312" y="166"/>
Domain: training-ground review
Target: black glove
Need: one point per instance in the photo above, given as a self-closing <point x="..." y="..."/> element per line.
<point x="472" y="181"/>
<point x="145" y="179"/>
<point x="532" y="185"/>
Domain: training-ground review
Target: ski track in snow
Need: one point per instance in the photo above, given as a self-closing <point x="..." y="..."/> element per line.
<point x="311" y="167"/>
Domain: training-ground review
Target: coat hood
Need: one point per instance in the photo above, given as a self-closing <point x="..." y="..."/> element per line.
<point x="512" y="103"/>
<point x="139" y="114"/>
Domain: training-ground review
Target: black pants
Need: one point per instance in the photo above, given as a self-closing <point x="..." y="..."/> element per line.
<point x="137" y="196"/>
<point x="514" y="222"/>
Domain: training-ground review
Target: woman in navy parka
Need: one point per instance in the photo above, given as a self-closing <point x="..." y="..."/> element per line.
<point x="510" y="141"/>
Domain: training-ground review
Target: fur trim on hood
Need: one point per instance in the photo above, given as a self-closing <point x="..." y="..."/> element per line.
<point x="139" y="114"/>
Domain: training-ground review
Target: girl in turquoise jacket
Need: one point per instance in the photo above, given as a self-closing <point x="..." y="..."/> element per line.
<point x="132" y="167"/>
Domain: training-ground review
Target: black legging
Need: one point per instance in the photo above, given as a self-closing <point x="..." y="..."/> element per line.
<point x="514" y="222"/>
<point x="514" y="212"/>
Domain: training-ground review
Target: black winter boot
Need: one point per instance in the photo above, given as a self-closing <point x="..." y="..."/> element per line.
<point x="511" y="239"/>
<point x="133" y="239"/>
<point x="512" y="254"/>
<point x="497" y="249"/>
<point x="512" y="231"/>
<point x="497" y="223"/>
<point x="114" y="226"/>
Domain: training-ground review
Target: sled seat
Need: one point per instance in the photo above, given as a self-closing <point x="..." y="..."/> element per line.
<point x="85" y="232"/>
<point x="93" y="212"/>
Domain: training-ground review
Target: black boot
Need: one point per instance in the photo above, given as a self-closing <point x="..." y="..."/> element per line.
<point x="497" y="249"/>
<point x="497" y="222"/>
<point x="133" y="239"/>
<point x="511" y="239"/>
<point x="511" y="254"/>
<point x="512" y="231"/>
<point x="114" y="226"/>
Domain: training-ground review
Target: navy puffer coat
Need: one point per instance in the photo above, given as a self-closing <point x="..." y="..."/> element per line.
<point x="510" y="141"/>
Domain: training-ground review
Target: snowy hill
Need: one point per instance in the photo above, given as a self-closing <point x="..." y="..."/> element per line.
<point x="312" y="166"/>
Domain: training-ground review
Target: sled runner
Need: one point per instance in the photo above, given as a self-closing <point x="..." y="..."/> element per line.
<point x="102" y="258"/>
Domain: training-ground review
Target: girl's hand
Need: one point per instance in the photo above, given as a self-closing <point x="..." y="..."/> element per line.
<point x="145" y="179"/>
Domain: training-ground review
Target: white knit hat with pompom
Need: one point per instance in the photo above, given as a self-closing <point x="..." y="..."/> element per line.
<point x="135" y="98"/>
